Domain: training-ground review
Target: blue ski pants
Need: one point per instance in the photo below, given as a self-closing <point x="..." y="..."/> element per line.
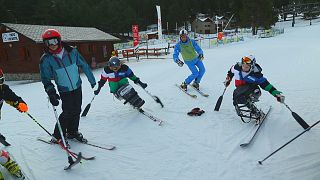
<point x="197" y="69"/>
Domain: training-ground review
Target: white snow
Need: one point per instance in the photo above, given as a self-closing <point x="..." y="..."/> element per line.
<point x="185" y="148"/>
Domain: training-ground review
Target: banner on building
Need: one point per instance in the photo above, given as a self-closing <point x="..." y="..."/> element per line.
<point x="159" y="23"/>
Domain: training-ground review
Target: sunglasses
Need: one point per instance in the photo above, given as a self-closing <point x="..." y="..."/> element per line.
<point x="246" y="60"/>
<point x="51" y="42"/>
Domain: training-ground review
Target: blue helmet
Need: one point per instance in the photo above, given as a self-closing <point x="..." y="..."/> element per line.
<point x="114" y="62"/>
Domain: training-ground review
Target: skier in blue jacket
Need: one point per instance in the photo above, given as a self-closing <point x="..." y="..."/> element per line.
<point x="192" y="56"/>
<point x="61" y="63"/>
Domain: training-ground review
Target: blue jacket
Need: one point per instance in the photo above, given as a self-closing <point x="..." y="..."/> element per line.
<point x="65" y="72"/>
<point x="177" y="49"/>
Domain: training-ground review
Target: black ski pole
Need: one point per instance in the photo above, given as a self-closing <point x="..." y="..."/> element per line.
<point x="156" y="98"/>
<point x="218" y="104"/>
<point x="85" y="111"/>
<point x="3" y="140"/>
<point x="298" y="118"/>
<point x="260" y="162"/>
<point x="39" y="124"/>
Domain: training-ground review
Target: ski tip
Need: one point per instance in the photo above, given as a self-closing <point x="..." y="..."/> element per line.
<point x="244" y="145"/>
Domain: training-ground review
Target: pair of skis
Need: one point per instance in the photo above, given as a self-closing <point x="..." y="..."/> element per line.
<point x="78" y="156"/>
<point x="193" y="95"/>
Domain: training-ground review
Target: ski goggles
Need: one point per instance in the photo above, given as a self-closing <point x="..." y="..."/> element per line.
<point x="51" y="42"/>
<point x="246" y="60"/>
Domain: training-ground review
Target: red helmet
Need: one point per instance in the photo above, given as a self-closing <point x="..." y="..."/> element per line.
<point x="51" y="33"/>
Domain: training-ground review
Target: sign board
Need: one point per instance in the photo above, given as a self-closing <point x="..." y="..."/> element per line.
<point x="10" y="37"/>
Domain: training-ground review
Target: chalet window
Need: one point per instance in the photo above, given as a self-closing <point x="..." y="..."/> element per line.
<point x="105" y="51"/>
<point x="24" y="54"/>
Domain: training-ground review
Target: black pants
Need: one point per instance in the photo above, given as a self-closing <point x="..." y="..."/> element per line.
<point x="241" y="93"/>
<point x="70" y="116"/>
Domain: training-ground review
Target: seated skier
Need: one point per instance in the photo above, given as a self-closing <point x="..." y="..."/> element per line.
<point x="116" y="74"/>
<point x="248" y="79"/>
<point x="7" y="95"/>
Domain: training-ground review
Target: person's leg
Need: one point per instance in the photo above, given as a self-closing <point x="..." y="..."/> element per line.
<point x="75" y="110"/>
<point x="240" y="94"/>
<point x="194" y="71"/>
<point x="202" y="70"/>
<point x="66" y="115"/>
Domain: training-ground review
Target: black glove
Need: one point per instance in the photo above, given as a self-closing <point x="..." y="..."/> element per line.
<point x="54" y="98"/>
<point x="143" y="85"/>
<point x="179" y="62"/>
<point x="96" y="92"/>
<point x="200" y="57"/>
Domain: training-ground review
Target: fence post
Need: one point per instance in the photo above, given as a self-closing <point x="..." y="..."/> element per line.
<point x="127" y="56"/>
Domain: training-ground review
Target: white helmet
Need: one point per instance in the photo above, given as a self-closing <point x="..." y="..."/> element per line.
<point x="183" y="31"/>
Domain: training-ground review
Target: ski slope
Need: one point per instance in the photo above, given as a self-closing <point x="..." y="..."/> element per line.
<point x="185" y="148"/>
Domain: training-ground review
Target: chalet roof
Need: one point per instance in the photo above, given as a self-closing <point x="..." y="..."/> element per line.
<point x="68" y="33"/>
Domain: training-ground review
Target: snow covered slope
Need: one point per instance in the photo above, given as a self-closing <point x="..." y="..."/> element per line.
<point x="185" y="148"/>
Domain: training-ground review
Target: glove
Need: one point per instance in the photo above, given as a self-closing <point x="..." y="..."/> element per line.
<point x="54" y="99"/>
<point x="20" y="106"/>
<point x="280" y="98"/>
<point x="93" y="85"/>
<point x="143" y="85"/>
<point x="200" y="57"/>
<point x="96" y="92"/>
<point x="179" y="62"/>
<point x="227" y="81"/>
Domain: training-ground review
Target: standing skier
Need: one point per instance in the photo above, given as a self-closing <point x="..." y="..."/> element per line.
<point x="61" y="62"/>
<point x="248" y="78"/>
<point x="116" y="74"/>
<point x="7" y="95"/>
<point x="192" y="56"/>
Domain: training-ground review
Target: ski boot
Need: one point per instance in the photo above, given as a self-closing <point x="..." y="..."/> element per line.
<point x="78" y="136"/>
<point x="13" y="168"/>
<point x="184" y="86"/>
<point x="195" y="85"/>
<point x="57" y="141"/>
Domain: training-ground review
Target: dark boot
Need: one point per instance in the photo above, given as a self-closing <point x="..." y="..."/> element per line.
<point x="56" y="141"/>
<point x="195" y="85"/>
<point x="184" y="86"/>
<point x="78" y="136"/>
